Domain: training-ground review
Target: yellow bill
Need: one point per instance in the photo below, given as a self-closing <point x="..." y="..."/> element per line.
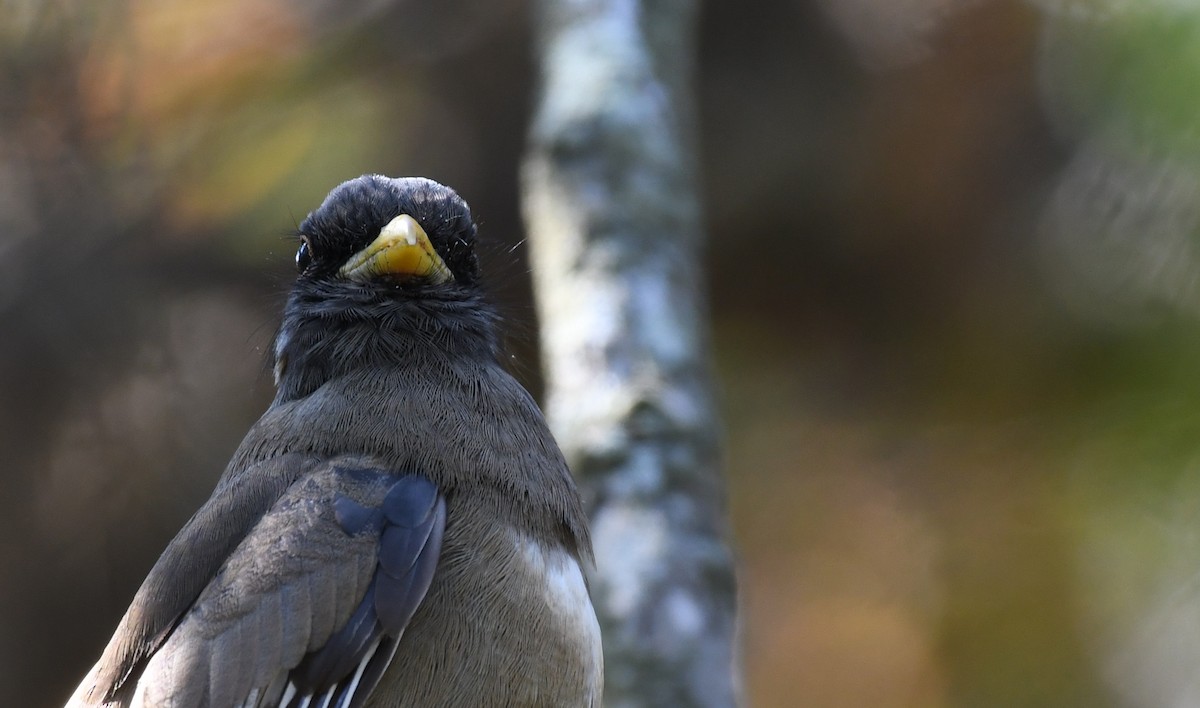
<point x="401" y="249"/>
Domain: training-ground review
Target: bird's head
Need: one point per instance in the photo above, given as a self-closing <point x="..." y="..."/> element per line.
<point x="377" y="232"/>
<point x="387" y="271"/>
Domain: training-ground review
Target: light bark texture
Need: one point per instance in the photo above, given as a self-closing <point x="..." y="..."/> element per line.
<point x="610" y="201"/>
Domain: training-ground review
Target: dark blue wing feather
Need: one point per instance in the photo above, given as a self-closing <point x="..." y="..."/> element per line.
<point x="409" y="521"/>
<point x="404" y="575"/>
<point x="354" y="518"/>
<point x="410" y="502"/>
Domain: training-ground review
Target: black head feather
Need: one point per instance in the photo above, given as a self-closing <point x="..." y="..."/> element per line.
<point x="354" y="212"/>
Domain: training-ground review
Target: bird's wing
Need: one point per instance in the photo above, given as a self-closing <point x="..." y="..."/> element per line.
<point x="187" y="565"/>
<point x="310" y="604"/>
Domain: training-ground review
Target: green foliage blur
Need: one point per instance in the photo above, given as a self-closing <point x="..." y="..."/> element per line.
<point x="954" y="284"/>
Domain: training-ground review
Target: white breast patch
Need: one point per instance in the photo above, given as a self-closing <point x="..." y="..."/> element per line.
<point x="567" y="597"/>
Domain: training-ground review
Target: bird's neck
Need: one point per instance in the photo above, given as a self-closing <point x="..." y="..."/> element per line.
<point x="316" y="346"/>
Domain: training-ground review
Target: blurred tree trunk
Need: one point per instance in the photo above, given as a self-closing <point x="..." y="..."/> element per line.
<point x="611" y="207"/>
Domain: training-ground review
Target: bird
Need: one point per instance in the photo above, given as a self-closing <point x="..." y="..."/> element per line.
<point x="399" y="528"/>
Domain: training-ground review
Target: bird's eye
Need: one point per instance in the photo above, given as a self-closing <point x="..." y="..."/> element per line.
<point x="303" y="257"/>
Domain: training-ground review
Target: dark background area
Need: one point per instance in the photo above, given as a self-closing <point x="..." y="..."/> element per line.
<point x="952" y="280"/>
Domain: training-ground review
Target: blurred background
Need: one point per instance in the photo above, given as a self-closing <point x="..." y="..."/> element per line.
<point x="954" y="279"/>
